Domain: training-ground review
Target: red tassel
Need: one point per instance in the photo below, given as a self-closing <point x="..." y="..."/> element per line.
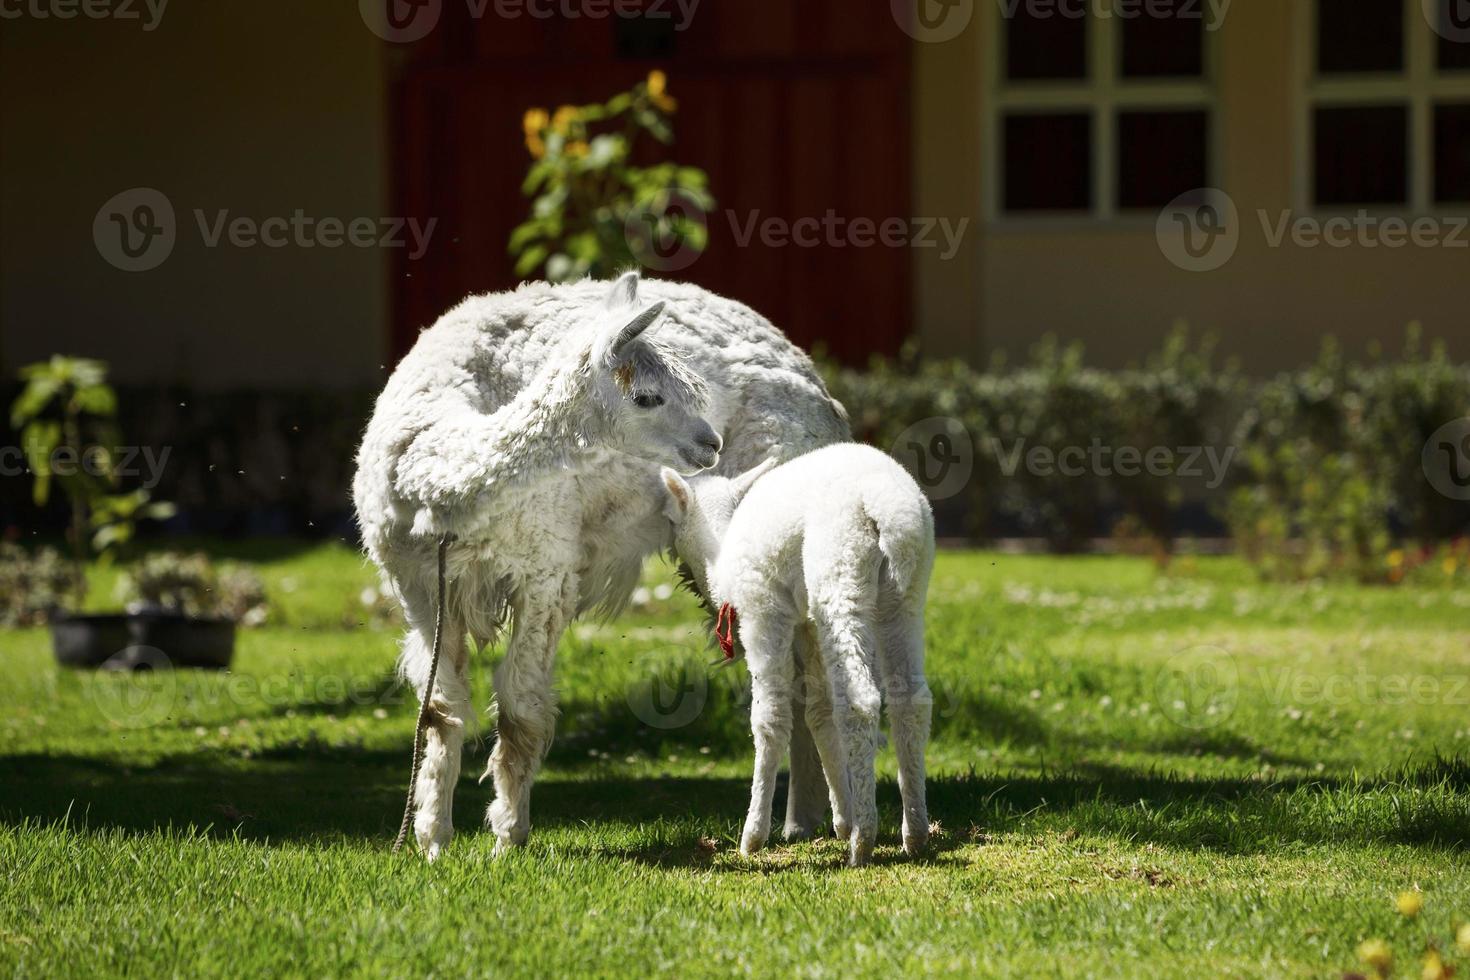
<point x="725" y="630"/>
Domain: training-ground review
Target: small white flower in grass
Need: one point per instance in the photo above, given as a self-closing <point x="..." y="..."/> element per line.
<point x="201" y="731"/>
<point x="1035" y="694"/>
<point x="641" y="596"/>
<point x="1105" y="702"/>
<point x="380" y="713"/>
<point x="368" y="596"/>
<point x="662" y="592"/>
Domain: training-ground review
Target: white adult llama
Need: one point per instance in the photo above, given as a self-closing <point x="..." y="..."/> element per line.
<point x="531" y="425"/>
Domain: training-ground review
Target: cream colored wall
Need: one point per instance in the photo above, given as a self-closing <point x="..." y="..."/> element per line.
<point x="260" y="107"/>
<point x="1110" y="286"/>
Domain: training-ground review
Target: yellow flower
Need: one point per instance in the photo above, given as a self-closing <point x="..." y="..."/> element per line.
<point x="534" y="123"/>
<point x="1410" y="903"/>
<point x="658" y="94"/>
<point x="1375" y="953"/>
<point x="562" y="121"/>
<point x="1395" y="558"/>
<point x="1462" y="939"/>
<point x="1434" y="967"/>
<point x="1450" y="566"/>
<point x="577" y="148"/>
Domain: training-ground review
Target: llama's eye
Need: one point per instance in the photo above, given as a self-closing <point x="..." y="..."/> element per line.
<point x="648" y="401"/>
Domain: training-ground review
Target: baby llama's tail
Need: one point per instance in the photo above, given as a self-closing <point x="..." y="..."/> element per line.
<point x="905" y="527"/>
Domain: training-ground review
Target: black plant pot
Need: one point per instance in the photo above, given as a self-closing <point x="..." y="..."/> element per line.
<point x="143" y="641"/>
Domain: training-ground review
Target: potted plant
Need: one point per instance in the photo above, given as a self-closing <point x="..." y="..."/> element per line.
<point x="66" y="414"/>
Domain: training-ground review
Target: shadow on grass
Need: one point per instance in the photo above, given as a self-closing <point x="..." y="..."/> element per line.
<point x="317" y="793"/>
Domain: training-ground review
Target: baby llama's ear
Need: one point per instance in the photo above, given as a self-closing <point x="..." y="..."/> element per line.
<point x="624" y="291"/>
<point x="615" y="343"/>
<point x="676" y="507"/>
<point x="741" y="485"/>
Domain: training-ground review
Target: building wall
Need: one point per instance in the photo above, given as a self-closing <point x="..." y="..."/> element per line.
<point x="1109" y="285"/>
<point x="260" y="107"/>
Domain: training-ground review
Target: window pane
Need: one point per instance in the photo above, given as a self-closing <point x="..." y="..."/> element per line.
<point x="1362" y="155"/>
<point x="1048" y="162"/>
<point x="1046" y="42"/>
<point x="1452" y="153"/>
<point x="1159" y="46"/>
<point x="1360" y="35"/>
<point x="1160" y="156"/>
<point x="1455" y="55"/>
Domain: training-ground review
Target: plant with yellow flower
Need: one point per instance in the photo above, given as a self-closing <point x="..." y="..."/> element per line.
<point x="1377" y="954"/>
<point x="587" y="191"/>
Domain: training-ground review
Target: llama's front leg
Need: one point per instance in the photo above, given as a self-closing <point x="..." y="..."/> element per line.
<point x="526" y="701"/>
<point x="806" y="790"/>
<point x="767" y="642"/>
<point x="449" y="715"/>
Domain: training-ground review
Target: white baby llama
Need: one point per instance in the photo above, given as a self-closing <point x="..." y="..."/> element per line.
<point x="840" y="540"/>
<point x="485" y="429"/>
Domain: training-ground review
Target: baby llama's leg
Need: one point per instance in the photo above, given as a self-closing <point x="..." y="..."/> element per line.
<point x="766" y="636"/>
<point x="910" y="705"/>
<point x="449" y="715"/>
<point x="848" y="647"/>
<point x="806" y="799"/>
<point x="815" y="686"/>
<point x="526" y="702"/>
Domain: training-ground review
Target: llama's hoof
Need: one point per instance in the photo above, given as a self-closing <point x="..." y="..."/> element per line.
<point x="433" y="840"/>
<point x="794" y="832"/>
<point x="752" y="840"/>
<point x="914" y="845"/>
<point x="860" y="850"/>
<point x="841" y="829"/>
<point x="510" y="827"/>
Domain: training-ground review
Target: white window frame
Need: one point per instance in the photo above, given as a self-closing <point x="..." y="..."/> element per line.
<point x="1103" y="94"/>
<point x="1419" y="87"/>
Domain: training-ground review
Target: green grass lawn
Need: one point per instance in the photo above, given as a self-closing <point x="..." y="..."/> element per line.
<point x="1134" y="774"/>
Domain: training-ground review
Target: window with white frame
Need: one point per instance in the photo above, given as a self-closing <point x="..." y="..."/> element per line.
<point x="1388" y="106"/>
<point x="1099" y="115"/>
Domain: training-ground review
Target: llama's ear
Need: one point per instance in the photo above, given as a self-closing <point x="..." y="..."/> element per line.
<point x="624" y="292"/>
<point x="677" y="505"/>
<point x="741" y="485"/>
<point x="630" y="332"/>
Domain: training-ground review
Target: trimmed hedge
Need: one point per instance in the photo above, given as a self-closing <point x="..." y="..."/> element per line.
<point x="1324" y="469"/>
<point x="1315" y="471"/>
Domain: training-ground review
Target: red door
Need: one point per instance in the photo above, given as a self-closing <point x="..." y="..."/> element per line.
<point x="798" y="110"/>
